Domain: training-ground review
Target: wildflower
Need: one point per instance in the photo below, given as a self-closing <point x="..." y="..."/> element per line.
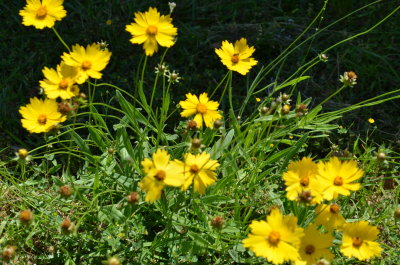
<point x="217" y="222"/>
<point x="58" y="83"/>
<point x="90" y="61"/>
<point x="160" y="172"/>
<point x="237" y="57"/>
<point x="172" y="6"/>
<point x="26" y="216"/>
<point x="359" y="241"/>
<point x="8" y="253"/>
<point x="258" y="99"/>
<point x="314" y="246"/>
<point x="301" y="181"/>
<point x="329" y="216"/>
<point x="173" y="77"/>
<point x="42" y="13"/>
<point x="152" y="30"/>
<point x="200" y="170"/>
<point x="133" y="198"/>
<point x="108" y="22"/>
<point x="337" y="177"/>
<point x="278" y="240"/>
<point x="371" y="120"/>
<point x="162" y="69"/>
<point x="349" y="78"/>
<point x="40" y="115"/>
<point x="204" y="109"/>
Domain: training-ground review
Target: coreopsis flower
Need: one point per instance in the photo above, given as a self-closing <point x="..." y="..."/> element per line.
<point x="204" y="109"/>
<point x="60" y="82"/>
<point x="337" y="177"/>
<point x="277" y="239"/>
<point x="152" y="29"/>
<point x="160" y="172"/>
<point x="200" y="170"/>
<point x="237" y="57"/>
<point x="359" y="241"/>
<point x="42" y="13"/>
<point x="371" y="120"/>
<point x="329" y="216"/>
<point x="301" y="181"/>
<point x="314" y="246"/>
<point x="89" y="61"/>
<point x="40" y="115"/>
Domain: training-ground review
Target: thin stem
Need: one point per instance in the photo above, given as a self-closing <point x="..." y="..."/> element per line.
<point x="62" y="41"/>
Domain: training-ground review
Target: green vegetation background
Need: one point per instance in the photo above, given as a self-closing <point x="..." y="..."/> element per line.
<point x="268" y="25"/>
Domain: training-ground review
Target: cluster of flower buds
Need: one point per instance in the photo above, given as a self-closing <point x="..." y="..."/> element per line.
<point x="163" y="69"/>
<point x="349" y="78"/>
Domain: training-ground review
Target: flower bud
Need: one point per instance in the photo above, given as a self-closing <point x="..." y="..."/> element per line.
<point x="192" y="125"/>
<point x="26" y="216"/>
<point x="397" y="213"/>
<point x="217" y="124"/>
<point x="110" y="150"/>
<point x="381" y="156"/>
<point x="67" y="226"/>
<point x="133" y="198"/>
<point x="196" y="143"/>
<point x="285" y="109"/>
<point x="22" y="153"/>
<point x="285" y="97"/>
<point x="113" y="261"/>
<point x="66" y="191"/>
<point x="8" y="253"/>
<point x="264" y="110"/>
<point x="217" y="222"/>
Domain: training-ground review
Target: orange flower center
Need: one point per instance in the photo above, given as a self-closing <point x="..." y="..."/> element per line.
<point x="304" y="181"/>
<point x="86" y="65"/>
<point x="151" y="30"/>
<point x="41" y="12"/>
<point x="63" y="84"/>
<point x="338" y="181"/>
<point x="201" y="108"/>
<point x="160" y="175"/>
<point x="357" y="242"/>
<point x="274" y="238"/>
<point x="42" y="119"/>
<point x="334" y="208"/>
<point x="309" y="249"/>
<point x="235" y="58"/>
<point x="194" y="169"/>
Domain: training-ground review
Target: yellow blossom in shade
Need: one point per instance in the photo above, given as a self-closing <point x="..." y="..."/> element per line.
<point x="359" y="241"/>
<point x="160" y="172"/>
<point x="60" y="82"/>
<point x="152" y="29"/>
<point x="337" y="177"/>
<point x="278" y="240"/>
<point x="89" y="61"/>
<point x="314" y="246"/>
<point x="200" y="170"/>
<point x="40" y="115"/>
<point x="205" y="110"/>
<point x="258" y="99"/>
<point x="42" y="14"/>
<point x="237" y="57"/>
<point x="371" y="120"/>
<point x="329" y="216"/>
<point x="301" y="181"/>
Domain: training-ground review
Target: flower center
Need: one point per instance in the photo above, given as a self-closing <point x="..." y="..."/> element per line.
<point x="357" y="242"/>
<point x="235" y="58"/>
<point x="41" y="12"/>
<point x="86" y="65"/>
<point x="42" y="119"/>
<point x="274" y="238"/>
<point x="160" y="175"/>
<point x="304" y="181"/>
<point x="151" y="30"/>
<point x="201" y="108"/>
<point x="310" y="249"/>
<point x="334" y="208"/>
<point x="194" y="169"/>
<point x="338" y="181"/>
<point x="63" y="84"/>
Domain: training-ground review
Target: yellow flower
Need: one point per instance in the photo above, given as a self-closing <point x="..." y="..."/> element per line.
<point x="301" y="181"/>
<point x="359" y="241"/>
<point x="200" y="170"/>
<point x="160" y="172"/>
<point x="152" y="30"/>
<point x="278" y="240"/>
<point x="41" y="14"/>
<point x="205" y="110"/>
<point x="60" y="82"/>
<point x="258" y="99"/>
<point x="89" y="61"/>
<point x="329" y="216"/>
<point x="237" y="58"/>
<point x="108" y="21"/>
<point x="314" y="246"/>
<point x="40" y="115"/>
<point x="370" y="120"/>
<point x="337" y="177"/>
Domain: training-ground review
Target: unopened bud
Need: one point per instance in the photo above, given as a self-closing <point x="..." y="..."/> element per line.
<point x="217" y="222"/>
<point x="83" y="95"/>
<point x="110" y="150"/>
<point x="285" y="97"/>
<point x="26" y="216"/>
<point x="285" y="109"/>
<point x="22" y="153"/>
<point x="192" y="125"/>
<point x="196" y="143"/>
<point x="217" y="124"/>
<point x="264" y="110"/>
<point x="66" y="191"/>
<point x="133" y="198"/>
<point x="8" y="253"/>
<point x="113" y="261"/>
<point x="381" y="156"/>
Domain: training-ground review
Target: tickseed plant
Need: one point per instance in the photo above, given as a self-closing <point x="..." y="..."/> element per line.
<point x="146" y="178"/>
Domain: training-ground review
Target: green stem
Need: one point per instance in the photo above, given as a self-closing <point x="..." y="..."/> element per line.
<point x="62" y="41"/>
